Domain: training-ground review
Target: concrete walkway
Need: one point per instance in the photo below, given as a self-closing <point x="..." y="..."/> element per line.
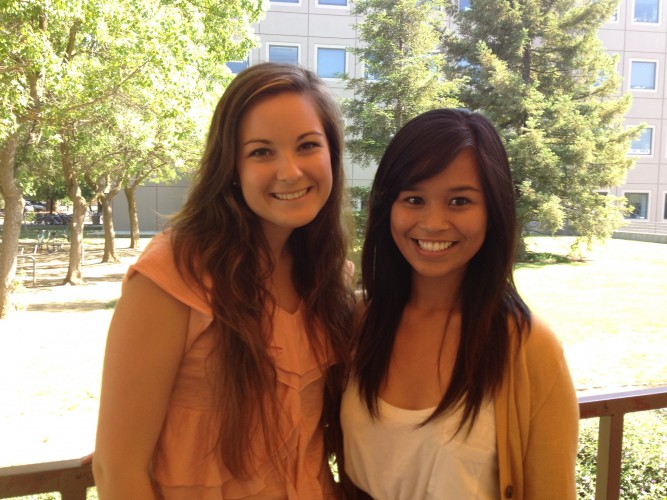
<point x="51" y="352"/>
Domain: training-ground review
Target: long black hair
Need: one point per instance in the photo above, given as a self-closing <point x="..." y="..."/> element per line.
<point x="490" y="304"/>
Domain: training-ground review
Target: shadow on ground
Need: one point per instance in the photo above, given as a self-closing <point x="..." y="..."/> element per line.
<point x="73" y="306"/>
<point x="48" y="294"/>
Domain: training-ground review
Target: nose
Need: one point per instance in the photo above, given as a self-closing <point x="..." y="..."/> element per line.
<point x="288" y="169"/>
<point x="434" y="219"/>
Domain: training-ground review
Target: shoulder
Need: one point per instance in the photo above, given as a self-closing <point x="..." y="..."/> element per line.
<point x="540" y="340"/>
<point x="145" y="296"/>
<point x="540" y="364"/>
<point x="157" y="258"/>
<point x="157" y="263"/>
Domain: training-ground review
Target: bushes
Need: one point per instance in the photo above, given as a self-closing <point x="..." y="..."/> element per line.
<point x="644" y="458"/>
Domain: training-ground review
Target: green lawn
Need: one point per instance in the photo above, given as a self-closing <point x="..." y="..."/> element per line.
<point x="609" y="310"/>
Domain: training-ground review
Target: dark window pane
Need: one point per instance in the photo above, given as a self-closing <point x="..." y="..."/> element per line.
<point x="638" y="202"/>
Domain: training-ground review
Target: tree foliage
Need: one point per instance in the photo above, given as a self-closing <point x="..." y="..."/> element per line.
<point x="537" y="69"/>
<point x="67" y="69"/>
<point x="403" y="78"/>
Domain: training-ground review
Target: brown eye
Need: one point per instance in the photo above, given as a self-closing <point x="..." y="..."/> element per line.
<point x="459" y="201"/>
<point x="309" y="145"/>
<point x="259" y="152"/>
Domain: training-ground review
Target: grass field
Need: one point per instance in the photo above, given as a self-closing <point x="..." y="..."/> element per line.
<point x="609" y="310"/>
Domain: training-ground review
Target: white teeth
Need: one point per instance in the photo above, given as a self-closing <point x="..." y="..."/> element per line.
<point x="291" y="196"/>
<point x="434" y="246"/>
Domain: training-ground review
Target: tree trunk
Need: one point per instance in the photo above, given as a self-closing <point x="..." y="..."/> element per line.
<point x="135" y="235"/>
<point x="109" y="233"/>
<point x="521" y="251"/>
<point x="73" y="189"/>
<point x="11" y="231"/>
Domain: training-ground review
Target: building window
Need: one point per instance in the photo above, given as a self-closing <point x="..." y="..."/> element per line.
<point x="335" y="3"/>
<point x="643" y="75"/>
<point x="367" y="71"/>
<point x="664" y="208"/>
<point x="237" y="66"/>
<point x="638" y="203"/>
<point x="284" y="54"/>
<point x="643" y="145"/>
<point x="331" y="62"/>
<point x="646" y="11"/>
<point x="465" y="4"/>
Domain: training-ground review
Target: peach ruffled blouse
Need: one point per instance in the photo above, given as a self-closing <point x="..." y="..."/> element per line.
<point x="186" y="464"/>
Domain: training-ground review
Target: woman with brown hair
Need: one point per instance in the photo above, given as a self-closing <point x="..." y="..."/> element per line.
<point x="217" y="355"/>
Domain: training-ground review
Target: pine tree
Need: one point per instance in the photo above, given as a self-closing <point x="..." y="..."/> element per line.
<point x="403" y="72"/>
<point x="537" y="69"/>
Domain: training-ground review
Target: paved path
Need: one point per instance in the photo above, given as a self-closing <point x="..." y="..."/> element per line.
<point x="51" y="352"/>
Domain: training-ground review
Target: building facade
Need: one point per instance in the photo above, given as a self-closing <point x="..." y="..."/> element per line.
<point x="637" y="34"/>
<point x="317" y="33"/>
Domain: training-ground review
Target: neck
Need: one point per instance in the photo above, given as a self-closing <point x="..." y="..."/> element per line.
<point x="434" y="295"/>
<point x="277" y="241"/>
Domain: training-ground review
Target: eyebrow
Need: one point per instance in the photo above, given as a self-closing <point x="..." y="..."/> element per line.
<point x="460" y="189"/>
<point x="300" y="137"/>
<point x="457" y="189"/>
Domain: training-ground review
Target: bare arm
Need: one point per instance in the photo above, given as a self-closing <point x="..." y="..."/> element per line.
<point x="144" y="349"/>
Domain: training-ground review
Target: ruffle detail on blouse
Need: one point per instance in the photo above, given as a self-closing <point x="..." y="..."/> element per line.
<point x="187" y="463"/>
<point x="187" y="458"/>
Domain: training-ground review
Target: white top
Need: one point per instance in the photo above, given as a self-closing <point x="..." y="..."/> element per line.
<point x="390" y="458"/>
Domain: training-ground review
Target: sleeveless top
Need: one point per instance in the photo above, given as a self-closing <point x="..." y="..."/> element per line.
<point x="186" y="463"/>
<point x="391" y="457"/>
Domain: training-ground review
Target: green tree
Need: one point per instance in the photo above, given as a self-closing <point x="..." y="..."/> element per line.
<point x="164" y="143"/>
<point x="62" y="61"/>
<point x="537" y="69"/>
<point x="403" y="77"/>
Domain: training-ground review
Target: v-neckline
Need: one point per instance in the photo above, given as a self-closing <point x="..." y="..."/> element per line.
<point x="291" y="314"/>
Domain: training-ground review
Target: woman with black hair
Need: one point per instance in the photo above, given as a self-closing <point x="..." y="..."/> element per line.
<point x="456" y="389"/>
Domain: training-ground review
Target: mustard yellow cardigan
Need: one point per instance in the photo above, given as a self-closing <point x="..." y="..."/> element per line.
<point x="537" y="421"/>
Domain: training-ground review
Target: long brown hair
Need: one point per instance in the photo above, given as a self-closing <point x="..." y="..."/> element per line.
<point x="490" y="302"/>
<point x="217" y="236"/>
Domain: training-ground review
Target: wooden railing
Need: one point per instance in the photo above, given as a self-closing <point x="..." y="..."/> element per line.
<point x="611" y="409"/>
<point x="68" y="477"/>
<point x="72" y="479"/>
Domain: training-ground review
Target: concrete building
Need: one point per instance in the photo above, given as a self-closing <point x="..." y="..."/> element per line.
<point x="637" y="33"/>
<point x="316" y="34"/>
